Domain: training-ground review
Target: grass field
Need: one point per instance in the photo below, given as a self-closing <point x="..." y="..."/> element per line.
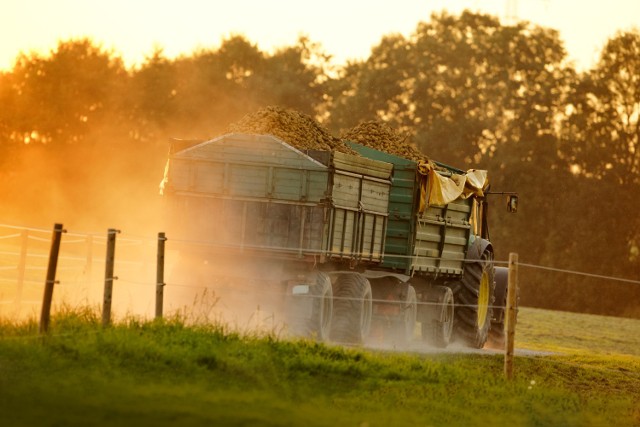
<point x="164" y="373"/>
<point x="571" y="332"/>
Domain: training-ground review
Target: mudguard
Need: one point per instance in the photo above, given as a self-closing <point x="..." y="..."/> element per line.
<point x="477" y="248"/>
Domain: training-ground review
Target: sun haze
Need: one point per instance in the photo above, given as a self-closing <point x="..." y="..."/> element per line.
<point x="345" y="29"/>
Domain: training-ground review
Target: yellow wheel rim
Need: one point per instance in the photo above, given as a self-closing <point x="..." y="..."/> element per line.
<point x="483" y="300"/>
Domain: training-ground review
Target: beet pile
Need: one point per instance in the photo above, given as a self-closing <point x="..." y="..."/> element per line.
<point x="304" y="133"/>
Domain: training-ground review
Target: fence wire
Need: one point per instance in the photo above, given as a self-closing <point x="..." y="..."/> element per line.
<point x="81" y="283"/>
<point x="80" y="263"/>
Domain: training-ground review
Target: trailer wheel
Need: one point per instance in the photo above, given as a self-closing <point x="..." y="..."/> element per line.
<point x="310" y="314"/>
<point x="407" y="321"/>
<point x="352" y="309"/>
<point x="322" y="308"/>
<point x="474" y="296"/>
<point x="437" y="327"/>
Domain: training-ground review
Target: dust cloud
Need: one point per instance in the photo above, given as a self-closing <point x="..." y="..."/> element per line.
<point x="94" y="187"/>
<point x="87" y="188"/>
<point x="226" y="291"/>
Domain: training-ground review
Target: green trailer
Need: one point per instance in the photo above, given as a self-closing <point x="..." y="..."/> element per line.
<point x="440" y="248"/>
<point x="433" y="242"/>
<point x="257" y="193"/>
<point x="300" y="223"/>
<point x="349" y="241"/>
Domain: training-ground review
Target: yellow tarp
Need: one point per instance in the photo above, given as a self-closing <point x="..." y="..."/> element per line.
<point x="439" y="190"/>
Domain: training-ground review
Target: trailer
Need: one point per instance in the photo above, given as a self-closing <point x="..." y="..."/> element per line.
<point x="437" y="239"/>
<point x="348" y="241"/>
<point x="299" y="224"/>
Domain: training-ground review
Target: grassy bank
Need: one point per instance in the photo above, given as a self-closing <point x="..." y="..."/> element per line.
<point x="165" y="373"/>
<point x="576" y="333"/>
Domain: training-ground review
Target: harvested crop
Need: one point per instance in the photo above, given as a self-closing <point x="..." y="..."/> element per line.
<point x="297" y="129"/>
<point x="382" y="137"/>
<point x="304" y="133"/>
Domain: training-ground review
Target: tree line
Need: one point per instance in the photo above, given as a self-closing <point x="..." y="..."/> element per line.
<point x="466" y="89"/>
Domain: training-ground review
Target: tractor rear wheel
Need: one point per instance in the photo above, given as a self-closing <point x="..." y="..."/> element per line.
<point x="352" y="309"/>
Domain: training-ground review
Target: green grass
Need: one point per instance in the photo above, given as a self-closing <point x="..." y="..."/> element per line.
<point x="572" y="332"/>
<point x="165" y="373"/>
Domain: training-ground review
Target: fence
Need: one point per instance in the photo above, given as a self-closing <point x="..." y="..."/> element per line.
<point x="79" y="279"/>
<point x="91" y="269"/>
<point x="137" y="282"/>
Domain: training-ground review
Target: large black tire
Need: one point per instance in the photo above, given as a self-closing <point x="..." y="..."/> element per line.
<point x="496" y="333"/>
<point x="437" y="326"/>
<point x="473" y="296"/>
<point x="312" y="313"/>
<point x="352" y="309"/>
<point x="406" y="323"/>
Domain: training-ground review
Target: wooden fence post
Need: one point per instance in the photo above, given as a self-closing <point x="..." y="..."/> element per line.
<point x="511" y="311"/>
<point x="45" y="315"/>
<point x="108" y="276"/>
<point x="22" y="267"/>
<point x="160" y="276"/>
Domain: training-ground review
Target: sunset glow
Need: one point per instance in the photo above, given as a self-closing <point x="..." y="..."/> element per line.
<point x="346" y="30"/>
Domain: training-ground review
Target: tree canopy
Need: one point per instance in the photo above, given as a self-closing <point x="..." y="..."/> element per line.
<point x="466" y="89"/>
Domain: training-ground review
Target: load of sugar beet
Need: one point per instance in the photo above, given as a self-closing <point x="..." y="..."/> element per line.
<point x="304" y="133"/>
<point x="382" y="137"/>
<point x="296" y="129"/>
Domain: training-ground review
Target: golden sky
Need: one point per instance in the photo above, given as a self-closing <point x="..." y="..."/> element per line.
<point x="345" y="28"/>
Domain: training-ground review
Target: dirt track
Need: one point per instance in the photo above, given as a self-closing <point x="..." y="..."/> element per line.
<point x="419" y="347"/>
